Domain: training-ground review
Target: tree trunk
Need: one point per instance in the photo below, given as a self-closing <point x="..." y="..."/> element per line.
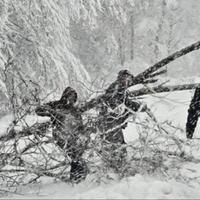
<point x="148" y="73"/>
<point x="132" y="23"/>
<point x="144" y="75"/>
<point x="121" y="54"/>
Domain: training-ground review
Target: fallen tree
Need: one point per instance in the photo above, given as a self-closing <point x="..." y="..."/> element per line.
<point x="148" y="76"/>
<point x="148" y="72"/>
<point x="38" y="143"/>
<point x="160" y="89"/>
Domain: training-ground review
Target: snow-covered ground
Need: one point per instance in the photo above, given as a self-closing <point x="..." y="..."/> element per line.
<point x="136" y="187"/>
<point x="166" y="107"/>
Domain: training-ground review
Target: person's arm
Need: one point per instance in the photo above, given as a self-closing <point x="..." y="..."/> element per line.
<point x="48" y="109"/>
<point x="45" y="110"/>
<point x="42" y="111"/>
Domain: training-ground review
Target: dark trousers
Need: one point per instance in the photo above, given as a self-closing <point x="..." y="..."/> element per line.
<point x="79" y="169"/>
<point x="113" y="152"/>
<point x="114" y="155"/>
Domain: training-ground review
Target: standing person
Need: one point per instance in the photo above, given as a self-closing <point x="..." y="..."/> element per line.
<point x="116" y="107"/>
<point x="68" y="130"/>
<point x="193" y="113"/>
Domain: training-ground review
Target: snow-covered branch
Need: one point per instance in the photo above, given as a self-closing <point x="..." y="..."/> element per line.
<point x="160" y="89"/>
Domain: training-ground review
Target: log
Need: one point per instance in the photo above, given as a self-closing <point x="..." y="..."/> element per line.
<point x="160" y="89"/>
<point x="144" y="91"/>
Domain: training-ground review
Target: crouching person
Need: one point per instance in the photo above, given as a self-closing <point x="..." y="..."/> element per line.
<point x="116" y="108"/>
<point x="68" y="131"/>
<point x="193" y="114"/>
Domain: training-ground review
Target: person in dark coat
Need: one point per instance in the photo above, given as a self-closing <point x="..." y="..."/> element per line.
<point x="68" y="130"/>
<point x="116" y="108"/>
<point x="193" y="114"/>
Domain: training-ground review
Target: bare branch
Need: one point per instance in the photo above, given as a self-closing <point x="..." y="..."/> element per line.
<point x="157" y="73"/>
<point x="160" y="89"/>
<point x="142" y="76"/>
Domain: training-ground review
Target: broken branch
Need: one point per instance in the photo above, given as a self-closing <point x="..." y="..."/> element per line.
<point x="142" y="76"/>
<point x="160" y="89"/>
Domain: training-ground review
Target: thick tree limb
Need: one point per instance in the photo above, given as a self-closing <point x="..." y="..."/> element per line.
<point x="160" y="89"/>
<point x="150" y="81"/>
<point x="144" y="91"/>
<point x="142" y="76"/>
<point x="150" y="73"/>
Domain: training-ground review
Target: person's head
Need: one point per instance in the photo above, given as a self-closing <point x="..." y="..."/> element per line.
<point x="69" y="96"/>
<point x="125" y="78"/>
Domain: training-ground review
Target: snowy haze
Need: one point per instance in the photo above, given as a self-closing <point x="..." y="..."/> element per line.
<point x="92" y="40"/>
<point x="47" y="45"/>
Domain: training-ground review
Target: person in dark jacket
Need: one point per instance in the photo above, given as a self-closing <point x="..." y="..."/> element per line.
<point x="116" y="108"/>
<point x="68" y="130"/>
<point x="193" y="113"/>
